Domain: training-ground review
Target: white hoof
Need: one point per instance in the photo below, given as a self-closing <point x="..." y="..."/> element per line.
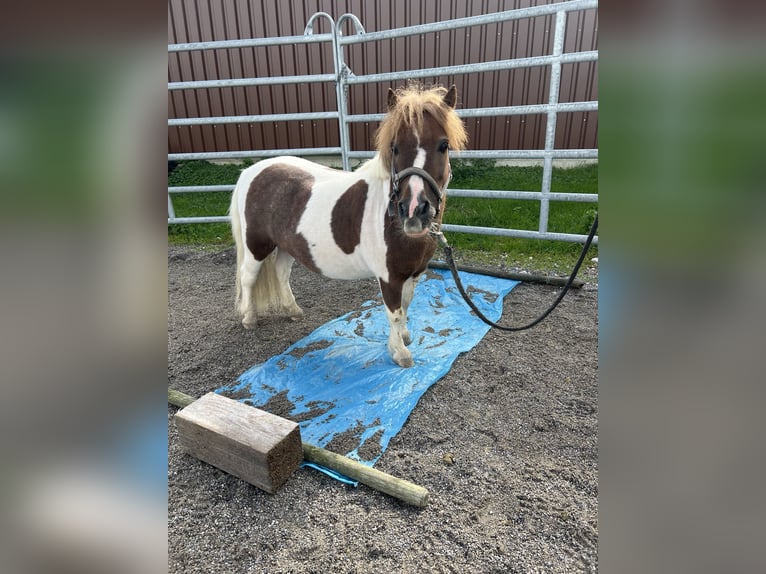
<point x="403" y="359"/>
<point x="295" y="313"/>
<point x="250" y="321"/>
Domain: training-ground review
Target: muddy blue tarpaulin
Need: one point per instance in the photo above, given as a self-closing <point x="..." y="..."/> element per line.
<point x="340" y="383"/>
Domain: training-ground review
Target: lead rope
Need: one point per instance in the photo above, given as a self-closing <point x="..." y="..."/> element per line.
<point x="453" y="269"/>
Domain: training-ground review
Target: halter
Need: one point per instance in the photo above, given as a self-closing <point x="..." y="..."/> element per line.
<point x="398" y="176"/>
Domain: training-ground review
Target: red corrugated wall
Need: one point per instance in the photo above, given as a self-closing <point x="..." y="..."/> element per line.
<point x="206" y="20"/>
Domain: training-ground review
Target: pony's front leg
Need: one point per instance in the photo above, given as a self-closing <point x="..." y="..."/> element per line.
<point x="401" y="355"/>
<point x="397" y="320"/>
<point x="408" y="290"/>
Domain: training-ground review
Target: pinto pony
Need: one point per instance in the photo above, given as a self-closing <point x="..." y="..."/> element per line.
<point x="373" y="222"/>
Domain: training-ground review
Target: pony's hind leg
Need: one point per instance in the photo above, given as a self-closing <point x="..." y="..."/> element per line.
<point x="266" y="288"/>
<point x="283" y="268"/>
<point x="248" y="276"/>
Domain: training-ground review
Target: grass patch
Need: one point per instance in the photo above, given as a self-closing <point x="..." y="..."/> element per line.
<point x="556" y="256"/>
<point x="563" y="217"/>
<point x="198" y="204"/>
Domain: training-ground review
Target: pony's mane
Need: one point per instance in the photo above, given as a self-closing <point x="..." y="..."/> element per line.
<point x="412" y="101"/>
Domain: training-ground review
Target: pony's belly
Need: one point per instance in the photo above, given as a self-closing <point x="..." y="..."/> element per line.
<point x="341" y="266"/>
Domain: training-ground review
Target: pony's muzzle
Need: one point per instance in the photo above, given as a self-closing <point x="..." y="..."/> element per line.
<point x="419" y="220"/>
<point x="422" y="210"/>
<point x="416" y="211"/>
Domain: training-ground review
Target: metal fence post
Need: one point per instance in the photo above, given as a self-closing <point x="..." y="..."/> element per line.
<point x="343" y="72"/>
<point x="550" y="125"/>
<point x="338" y="71"/>
<point x="171" y="211"/>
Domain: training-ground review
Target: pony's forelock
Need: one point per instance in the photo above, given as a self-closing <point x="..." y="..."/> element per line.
<point x="412" y="101"/>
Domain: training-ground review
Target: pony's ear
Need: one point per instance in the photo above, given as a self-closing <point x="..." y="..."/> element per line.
<point x="450" y="98"/>
<point x="391" y="99"/>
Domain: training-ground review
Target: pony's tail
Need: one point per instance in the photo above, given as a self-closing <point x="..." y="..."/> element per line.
<point x="236" y="231"/>
<point x="264" y="293"/>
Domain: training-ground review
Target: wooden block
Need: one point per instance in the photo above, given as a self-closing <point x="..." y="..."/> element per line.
<point x="251" y="444"/>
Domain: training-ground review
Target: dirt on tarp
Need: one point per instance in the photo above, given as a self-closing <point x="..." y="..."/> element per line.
<point x="506" y="443"/>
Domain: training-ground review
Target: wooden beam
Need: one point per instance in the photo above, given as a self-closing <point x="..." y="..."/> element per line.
<point x="402" y="489"/>
<point x="251" y="444"/>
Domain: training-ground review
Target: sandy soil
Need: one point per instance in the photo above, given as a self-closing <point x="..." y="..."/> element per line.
<point x="506" y="443"/>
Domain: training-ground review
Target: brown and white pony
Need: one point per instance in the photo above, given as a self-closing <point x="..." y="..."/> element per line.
<point x="373" y="222"/>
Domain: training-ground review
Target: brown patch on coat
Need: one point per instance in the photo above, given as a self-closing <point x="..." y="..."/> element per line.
<point x="405" y="257"/>
<point x="275" y="202"/>
<point x="346" y="223"/>
<point x="437" y="161"/>
<point x="408" y="256"/>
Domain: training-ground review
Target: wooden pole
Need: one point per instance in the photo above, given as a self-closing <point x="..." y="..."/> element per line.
<point x="527" y="277"/>
<point x="375" y="479"/>
<point x="398" y="488"/>
<point x="179" y="399"/>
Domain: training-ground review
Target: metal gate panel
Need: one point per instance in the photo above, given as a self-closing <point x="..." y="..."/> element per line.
<point x="359" y="44"/>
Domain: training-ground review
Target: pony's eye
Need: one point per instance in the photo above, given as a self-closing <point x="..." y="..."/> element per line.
<point x="395" y="149"/>
<point x="443" y="146"/>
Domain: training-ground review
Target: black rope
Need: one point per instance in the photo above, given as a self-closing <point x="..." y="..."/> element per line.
<point x="453" y="269"/>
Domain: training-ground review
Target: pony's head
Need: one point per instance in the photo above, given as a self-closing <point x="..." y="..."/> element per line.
<point x="413" y="142"/>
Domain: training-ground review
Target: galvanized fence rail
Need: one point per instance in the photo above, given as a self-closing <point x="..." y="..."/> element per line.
<point x="343" y="77"/>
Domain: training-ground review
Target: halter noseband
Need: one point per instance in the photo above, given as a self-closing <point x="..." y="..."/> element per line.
<point x="398" y="176"/>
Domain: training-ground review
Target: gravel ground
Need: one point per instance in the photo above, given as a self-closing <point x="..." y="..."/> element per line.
<point x="506" y="443"/>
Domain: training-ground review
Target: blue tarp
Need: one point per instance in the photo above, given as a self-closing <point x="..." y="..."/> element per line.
<point x="340" y="382"/>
